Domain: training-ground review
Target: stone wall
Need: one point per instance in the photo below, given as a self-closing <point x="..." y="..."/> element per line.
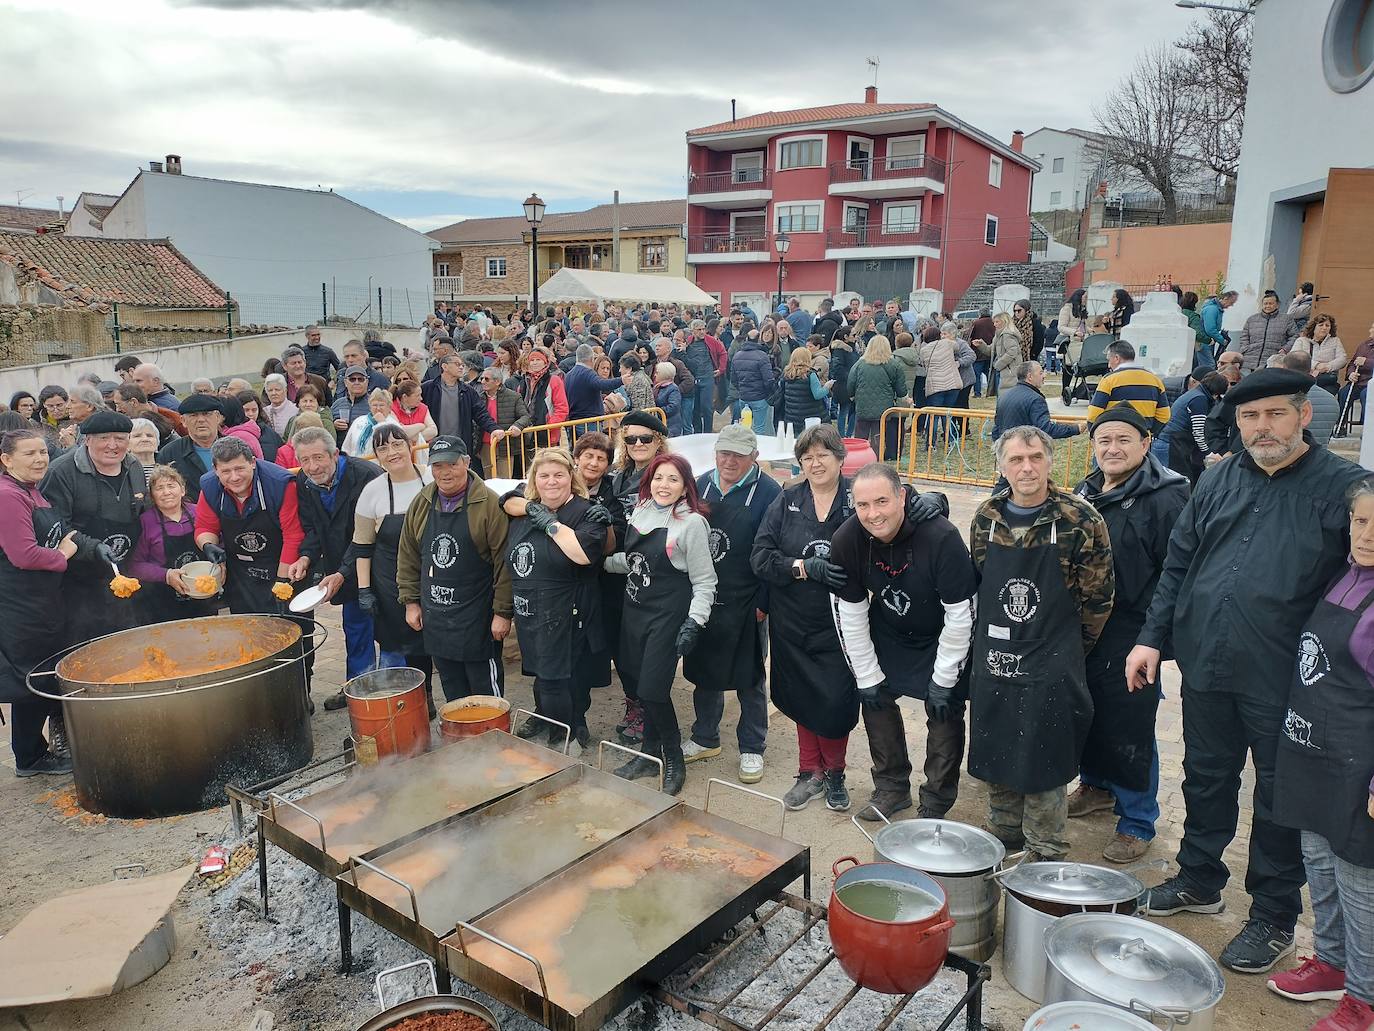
<point x="32" y="333"/>
<point x="1044" y="280"/>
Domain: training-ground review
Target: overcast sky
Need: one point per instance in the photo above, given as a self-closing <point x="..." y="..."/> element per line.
<point x="435" y="110"/>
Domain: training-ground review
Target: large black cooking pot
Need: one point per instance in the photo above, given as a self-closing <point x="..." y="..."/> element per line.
<point x="160" y="718"/>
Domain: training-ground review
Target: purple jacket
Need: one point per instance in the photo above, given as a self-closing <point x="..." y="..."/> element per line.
<point x="1348" y="592"/>
<point x="17" y="502"/>
<point x="149" y="561"/>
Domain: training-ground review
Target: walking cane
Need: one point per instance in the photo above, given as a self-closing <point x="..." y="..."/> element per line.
<point x="1343" y="421"/>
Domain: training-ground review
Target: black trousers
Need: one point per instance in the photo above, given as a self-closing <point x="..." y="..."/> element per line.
<point x="26" y="729"/>
<point x="892" y="763"/>
<point x="1219" y="729"/>
<point x="661" y="728"/>
<point x="460" y="679"/>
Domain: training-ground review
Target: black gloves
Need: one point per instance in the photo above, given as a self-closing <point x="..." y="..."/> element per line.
<point x="367" y="601"/>
<point x="688" y="636"/>
<point x="939" y="702"/>
<point x="540" y="517"/>
<point x="213" y="553"/>
<point x="872" y="697"/>
<point x="598" y="516"/>
<point x="920" y="507"/>
<point x="825" y="573"/>
<point x="105" y="553"/>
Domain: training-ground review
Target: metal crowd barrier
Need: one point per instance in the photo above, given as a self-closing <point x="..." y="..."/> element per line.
<point x="508" y="457"/>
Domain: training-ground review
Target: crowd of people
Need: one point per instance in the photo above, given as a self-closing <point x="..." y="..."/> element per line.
<point x="1032" y="645"/>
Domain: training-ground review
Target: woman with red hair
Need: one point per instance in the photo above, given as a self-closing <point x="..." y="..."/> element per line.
<point x="670" y="583"/>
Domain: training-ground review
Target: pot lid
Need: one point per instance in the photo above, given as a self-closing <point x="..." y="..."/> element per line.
<point x="1119" y="958"/>
<point x="1072" y="883"/>
<point x="940" y="846"/>
<point x="1075" y="1016"/>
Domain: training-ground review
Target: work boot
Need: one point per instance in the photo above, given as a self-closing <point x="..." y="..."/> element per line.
<point x="1088" y="799"/>
<point x="57" y="738"/>
<point x="1125" y="848"/>
<point x="1257" y="947"/>
<point x="1309" y="981"/>
<point x="583" y="736"/>
<point x="674" y="769"/>
<point x="335" y="701"/>
<point x="47" y="764"/>
<point x="1177" y="895"/>
<point x="531" y="729"/>
<point x="886" y="802"/>
<point x="637" y="768"/>
<point x="836" y="794"/>
<point x="808" y="786"/>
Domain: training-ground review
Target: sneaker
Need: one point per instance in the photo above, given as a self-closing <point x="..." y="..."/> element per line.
<point x="1350" y="1015"/>
<point x="886" y="802"/>
<point x="335" y="701"/>
<point x="836" y="794"/>
<point x="1257" y="947"/>
<point x="631" y="732"/>
<point x="1086" y="799"/>
<point x="57" y="738"/>
<point x="47" y="764"/>
<point x="1125" y="848"/>
<point x="1176" y="895"/>
<point x="807" y="787"/>
<point x="750" y="767"/>
<point x="692" y="752"/>
<point x="1309" y="981"/>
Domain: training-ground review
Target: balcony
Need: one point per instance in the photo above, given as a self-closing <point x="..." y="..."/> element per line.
<point x="888" y="177"/>
<point x="447" y="286"/>
<point x="723" y="248"/>
<point x="904" y="240"/>
<point x="736" y="188"/>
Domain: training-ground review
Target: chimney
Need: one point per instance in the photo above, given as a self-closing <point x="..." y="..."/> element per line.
<point x="174" y="164"/>
<point x="1018" y="140"/>
<point x="155" y="166"/>
<point x="870" y="94"/>
<point x="732" y="109"/>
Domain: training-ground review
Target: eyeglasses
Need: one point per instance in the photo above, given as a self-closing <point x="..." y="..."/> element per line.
<point x="647" y="438"/>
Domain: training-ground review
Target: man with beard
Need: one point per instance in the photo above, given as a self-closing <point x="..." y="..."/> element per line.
<point x="1262" y="537"/>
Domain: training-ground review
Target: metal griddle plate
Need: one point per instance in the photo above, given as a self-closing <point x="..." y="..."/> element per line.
<point x="381" y="804"/>
<point x="628" y="915"/>
<point x="468" y="866"/>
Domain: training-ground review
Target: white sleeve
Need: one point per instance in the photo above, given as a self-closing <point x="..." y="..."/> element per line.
<point x="955" y="640"/>
<point x="851" y="623"/>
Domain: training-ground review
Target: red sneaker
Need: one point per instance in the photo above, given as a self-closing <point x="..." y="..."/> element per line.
<point x="1310" y="980"/>
<point x="1350" y="1015"/>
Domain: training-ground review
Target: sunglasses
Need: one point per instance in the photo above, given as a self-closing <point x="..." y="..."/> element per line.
<point x="647" y="438"/>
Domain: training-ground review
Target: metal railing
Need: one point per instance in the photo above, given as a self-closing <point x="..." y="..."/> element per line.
<point x="916" y="166"/>
<point x="734" y="179"/>
<point x="921" y="234"/>
<point x="727" y="243"/>
<point x="954" y="445"/>
<point x="508" y="457"/>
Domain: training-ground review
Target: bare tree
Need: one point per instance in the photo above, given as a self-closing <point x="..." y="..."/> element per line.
<point x="1217" y="51"/>
<point x="1151" y="122"/>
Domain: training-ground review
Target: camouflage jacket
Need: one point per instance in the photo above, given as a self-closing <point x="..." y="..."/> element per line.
<point x="1085" y="553"/>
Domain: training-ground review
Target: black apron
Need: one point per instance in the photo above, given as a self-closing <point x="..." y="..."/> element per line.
<point x="811" y="683"/>
<point x="729" y="654"/>
<point x="907" y="659"/>
<point x="657" y="597"/>
<point x="253" y="544"/>
<point x="556" y="600"/>
<point x="1030" y="704"/>
<point x="1121" y="738"/>
<point x="92" y="610"/>
<point x="159" y="603"/>
<point x="32" y="626"/>
<point x="457" y="587"/>
<point x="1324" y="762"/>
<point x="389" y="624"/>
<point x="611" y="588"/>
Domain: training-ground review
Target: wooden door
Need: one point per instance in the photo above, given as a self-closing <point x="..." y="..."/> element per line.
<point x="1345" y="260"/>
<point x="1311" y="242"/>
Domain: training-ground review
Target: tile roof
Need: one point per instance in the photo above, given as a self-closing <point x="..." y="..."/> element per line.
<point x="14" y="216"/>
<point x="806" y="115"/>
<point x="647" y="214"/>
<point x="97" y="271"/>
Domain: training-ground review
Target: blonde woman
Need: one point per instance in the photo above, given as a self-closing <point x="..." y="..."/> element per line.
<point x="803" y="392"/>
<point x="1006" y="349"/>
<point x="876" y="382"/>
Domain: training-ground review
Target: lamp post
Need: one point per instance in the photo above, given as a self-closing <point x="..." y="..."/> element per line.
<point x="1190" y="5"/>
<point x="534" y="214"/>
<point x="781" y="242"/>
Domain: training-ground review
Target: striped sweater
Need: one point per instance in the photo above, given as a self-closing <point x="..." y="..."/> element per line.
<point x="1140" y="388"/>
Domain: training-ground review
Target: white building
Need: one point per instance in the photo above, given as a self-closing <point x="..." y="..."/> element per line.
<point x="272" y="247"/>
<point x="85" y="217"/>
<point x="1070" y="169"/>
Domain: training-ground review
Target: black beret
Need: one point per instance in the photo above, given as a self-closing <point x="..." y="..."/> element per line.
<point x="648" y="421"/>
<point x="1123" y="413"/>
<point x="106" y="421"/>
<point x="1269" y="383"/>
<point x="199" y="404"/>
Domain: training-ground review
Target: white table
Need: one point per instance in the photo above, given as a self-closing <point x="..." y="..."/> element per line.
<point x="700" y="450"/>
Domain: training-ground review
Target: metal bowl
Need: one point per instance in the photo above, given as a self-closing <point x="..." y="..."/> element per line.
<point x="430" y="1004"/>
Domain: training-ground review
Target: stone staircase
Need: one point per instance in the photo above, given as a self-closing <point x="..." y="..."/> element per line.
<point x="1044" y="280"/>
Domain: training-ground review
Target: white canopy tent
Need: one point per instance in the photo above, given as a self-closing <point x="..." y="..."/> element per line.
<point x="575" y="284"/>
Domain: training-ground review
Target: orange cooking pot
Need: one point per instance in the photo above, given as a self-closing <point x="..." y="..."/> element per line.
<point x="473" y="715"/>
<point x="389" y="713"/>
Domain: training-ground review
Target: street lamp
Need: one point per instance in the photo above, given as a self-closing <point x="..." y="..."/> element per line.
<point x="534" y="214"/>
<point x="1189" y="5"/>
<point x="781" y="242"/>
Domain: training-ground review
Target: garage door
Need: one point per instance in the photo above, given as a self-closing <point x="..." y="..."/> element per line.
<point x="879" y="279"/>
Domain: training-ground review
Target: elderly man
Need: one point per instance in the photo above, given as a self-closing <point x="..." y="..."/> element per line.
<point x="1132" y="384"/>
<point x="705" y="357"/>
<point x="905" y="622"/>
<point x="97" y="489"/>
<point x="439" y="349"/>
<point x="1025" y="405"/>
<point x="83" y="402"/>
<point x="1263" y="536"/>
<point x="510" y="413"/>
<point x="202" y="385"/>
<point x="1220" y="432"/>
<point x="800" y="321"/>
<point x="298" y="375"/>
<point x="452" y="576"/>
<point x="585" y="388"/>
<point x="1045" y="562"/>
<point x="1140" y="500"/>
<point x="730" y="654"/>
<point x="320" y="359"/>
<point x="327" y="488"/>
<point x="456" y="406"/>
<point x="1265" y="333"/>
<point x="148" y="378"/>
<point x="190" y="455"/>
<point x="355" y="357"/>
<point x="352" y="400"/>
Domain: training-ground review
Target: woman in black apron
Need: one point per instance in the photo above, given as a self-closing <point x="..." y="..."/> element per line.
<point x="811" y="682"/>
<point x="1324" y="773"/>
<point x="165" y="544"/>
<point x="670" y="583"/>
<point x="34" y="549"/>
<point x="380" y="514"/>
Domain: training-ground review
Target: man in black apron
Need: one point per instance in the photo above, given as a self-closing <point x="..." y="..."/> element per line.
<point x="1140" y="499"/>
<point x="730" y="655"/>
<point x="452" y="574"/>
<point x="911" y="639"/>
<point x="1046" y="591"/>
<point x="99" y="490"/>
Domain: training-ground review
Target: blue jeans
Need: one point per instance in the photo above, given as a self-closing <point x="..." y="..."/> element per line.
<point x="688" y="409"/>
<point x="1136" y="811"/>
<point x="844" y="418"/>
<point x="943" y="399"/>
<point x="760" y="416"/>
<point x="980" y="376"/>
<point x="359" y="644"/>
<point x="703" y="414"/>
<point x="1160" y="449"/>
<point x="1343" y="912"/>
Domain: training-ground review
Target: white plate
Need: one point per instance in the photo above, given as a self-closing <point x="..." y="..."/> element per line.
<point x="305" y="601"/>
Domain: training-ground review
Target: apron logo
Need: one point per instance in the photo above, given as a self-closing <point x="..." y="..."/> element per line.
<point x="522" y="560"/>
<point x="720" y="544"/>
<point x="896" y="599"/>
<point x="522" y="606"/>
<point x="55" y="536"/>
<point x="186" y="559"/>
<point x="638" y="577"/>
<point x="259" y="574"/>
<point x="444" y="550"/>
<point x="1312" y="661"/>
<point x="1298" y="730"/>
<point x="1004" y="664"/>
<point x="119" y="545"/>
<point x="441" y="595"/>
<point x="816" y="549"/>
<point x="251" y="542"/>
<point x="1020" y="599"/>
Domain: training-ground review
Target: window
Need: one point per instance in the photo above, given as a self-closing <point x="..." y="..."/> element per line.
<point x="798" y="218"/>
<point x="748" y="225"/>
<point x="990" y="231"/>
<point x="906" y="152"/>
<point x="748" y="168"/>
<point x="901" y="218"/>
<point x="653" y="255"/>
<point x="496" y="268"/>
<point x="1056" y="196"/>
<point x="1058" y="165"/>
<point x="995" y="171"/>
<point x="805" y="153"/>
<point x="441" y="268"/>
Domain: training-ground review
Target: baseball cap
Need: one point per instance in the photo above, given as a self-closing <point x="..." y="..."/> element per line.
<point x="447" y="449"/>
<point x="738" y="439"/>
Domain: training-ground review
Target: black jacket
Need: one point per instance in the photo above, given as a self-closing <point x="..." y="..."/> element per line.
<point x="1220" y="430"/>
<point x="77" y="493"/>
<point x="471" y="409"/>
<point x="181" y="455"/>
<point x="321" y="361"/>
<point x="1248" y="560"/>
<point x="328" y="539"/>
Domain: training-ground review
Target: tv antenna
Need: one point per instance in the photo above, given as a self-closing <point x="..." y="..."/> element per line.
<point x="22" y="195"/>
<point x="873" y="63"/>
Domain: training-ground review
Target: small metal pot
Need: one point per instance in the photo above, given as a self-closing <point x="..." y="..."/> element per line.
<point x="432" y="1003"/>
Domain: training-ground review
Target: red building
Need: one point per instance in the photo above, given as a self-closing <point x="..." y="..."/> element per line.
<point x="878" y="199"/>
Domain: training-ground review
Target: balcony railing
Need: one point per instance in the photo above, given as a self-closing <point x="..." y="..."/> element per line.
<point x="906" y="234"/>
<point x="727" y="243"/>
<point x="730" y="181"/>
<point x="446" y="285"/>
<point x="917" y="166"/>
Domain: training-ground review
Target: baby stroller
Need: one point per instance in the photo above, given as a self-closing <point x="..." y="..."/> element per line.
<point x="1088" y="365"/>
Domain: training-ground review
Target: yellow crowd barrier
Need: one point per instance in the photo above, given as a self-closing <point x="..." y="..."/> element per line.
<point x="508" y="457"/>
